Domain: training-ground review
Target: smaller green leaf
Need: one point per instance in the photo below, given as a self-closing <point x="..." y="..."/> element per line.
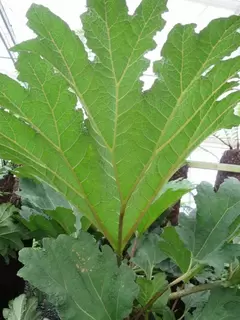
<point x="223" y="303"/>
<point x="234" y="278"/>
<point x="169" y="195"/>
<point x="11" y="233"/>
<point x="234" y="228"/>
<point x="52" y="223"/>
<point x="222" y="256"/>
<point x="80" y="280"/>
<point x="169" y="267"/>
<point x="207" y="274"/>
<point x="22" y="308"/>
<point x="41" y="226"/>
<point x="195" y="300"/>
<point x="147" y="254"/>
<point x="174" y="248"/>
<point x="161" y="302"/>
<point x="148" y="288"/>
<point x="64" y="217"/>
<point x="4" y="171"/>
<point x="41" y="195"/>
<point x="47" y="210"/>
<point x="166" y="314"/>
<point x="207" y="234"/>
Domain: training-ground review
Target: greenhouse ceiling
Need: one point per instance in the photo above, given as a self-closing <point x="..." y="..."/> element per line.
<point x="228" y="4"/>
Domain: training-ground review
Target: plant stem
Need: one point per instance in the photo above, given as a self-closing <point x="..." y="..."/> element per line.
<point x="185" y="277"/>
<point x="150" y="303"/>
<point x="119" y="260"/>
<point x="195" y="289"/>
<point x="134" y="248"/>
<point x="174" y="304"/>
<point x="178" y="280"/>
<point x="120" y="232"/>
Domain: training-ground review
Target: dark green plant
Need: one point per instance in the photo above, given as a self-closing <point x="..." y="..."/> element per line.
<point x="112" y="158"/>
<point x="22" y="308"/>
<point x="11" y="232"/>
<point x="113" y="166"/>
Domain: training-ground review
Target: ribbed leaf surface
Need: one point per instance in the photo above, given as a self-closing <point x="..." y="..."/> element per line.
<point x="114" y="165"/>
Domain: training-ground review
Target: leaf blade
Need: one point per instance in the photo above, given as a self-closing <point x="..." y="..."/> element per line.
<point x="11" y="234"/>
<point x="207" y="234"/>
<point x="22" y="308"/>
<point x="110" y="288"/>
<point x="118" y="175"/>
<point x="175" y="249"/>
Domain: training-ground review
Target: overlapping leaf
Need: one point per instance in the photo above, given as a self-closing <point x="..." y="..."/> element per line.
<point x="222" y="304"/>
<point x="196" y="300"/>
<point x="49" y="224"/>
<point x="113" y="166"/>
<point x="45" y="212"/>
<point x="148" y="288"/>
<point x="169" y="194"/>
<point x="81" y="281"/>
<point x="174" y="248"/>
<point x="234" y="276"/>
<point x="40" y="195"/>
<point x="167" y="314"/>
<point x="22" y="308"/>
<point x="207" y="235"/>
<point x="11" y="233"/>
<point x="146" y="253"/>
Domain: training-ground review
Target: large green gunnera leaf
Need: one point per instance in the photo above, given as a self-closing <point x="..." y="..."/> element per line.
<point x="82" y="282"/>
<point x="113" y="165"/>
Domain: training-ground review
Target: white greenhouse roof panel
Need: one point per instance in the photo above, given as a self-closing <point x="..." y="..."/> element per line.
<point x="233" y="5"/>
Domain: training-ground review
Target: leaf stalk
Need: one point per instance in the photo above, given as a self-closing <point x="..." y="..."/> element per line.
<point x="183" y="278"/>
<point x="195" y="289"/>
